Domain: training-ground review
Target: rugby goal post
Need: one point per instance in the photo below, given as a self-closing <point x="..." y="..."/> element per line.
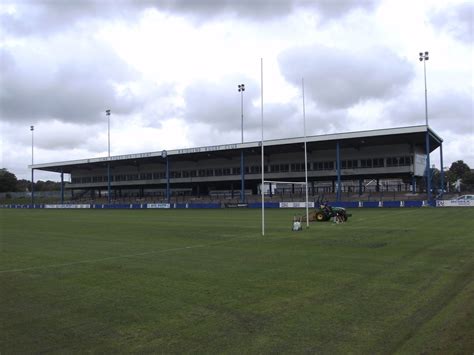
<point x="266" y="185"/>
<point x="262" y="153"/>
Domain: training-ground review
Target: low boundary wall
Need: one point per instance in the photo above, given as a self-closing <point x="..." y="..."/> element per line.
<point x="356" y="204"/>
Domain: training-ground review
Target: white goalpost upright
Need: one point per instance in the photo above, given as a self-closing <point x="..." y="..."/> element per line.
<point x="262" y="189"/>
<point x="305" y="157"/>
<point x="305" y="183"/>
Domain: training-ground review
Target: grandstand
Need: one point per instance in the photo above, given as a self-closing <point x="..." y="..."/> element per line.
<point x="348" y="165"/>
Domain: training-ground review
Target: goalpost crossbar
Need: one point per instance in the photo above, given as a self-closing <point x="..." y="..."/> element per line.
<point x="304" y="183"/>
<point x="284" y="182"/>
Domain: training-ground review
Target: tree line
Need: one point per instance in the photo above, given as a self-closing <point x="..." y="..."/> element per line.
<point x="460" y="177"/>
<point x="10" y="183"/>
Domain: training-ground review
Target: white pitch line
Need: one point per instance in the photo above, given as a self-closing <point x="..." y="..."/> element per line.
<point x="88" y="261"/>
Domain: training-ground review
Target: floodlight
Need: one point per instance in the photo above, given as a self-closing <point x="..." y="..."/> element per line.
<point x="423" y="58"/>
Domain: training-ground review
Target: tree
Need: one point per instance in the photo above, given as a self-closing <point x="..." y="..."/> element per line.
<point x="48" y="185"/>
<point x="7" y="181"/>
<point x="458" y="169"/>
<point x="23" y="185"/>
<point x="467" y="182"/>
<point x="435" y="179"/>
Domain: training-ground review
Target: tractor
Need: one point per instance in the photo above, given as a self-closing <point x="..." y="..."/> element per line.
<point x="326" y="212"/>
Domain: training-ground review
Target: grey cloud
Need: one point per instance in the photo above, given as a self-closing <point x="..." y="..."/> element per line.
<point x="219" y="106"/>
<point x="447" y="111"/>
<point x="334" y="9"/>
<point x="45" y="17"/>
<point x="281" y="121"/>
<point x="31" y="17"/>
<point x="457" y="20"/>
<point x="219" y="103"/>
<point x="263" y="9"/>
<point x="71" y="137"/>
<point x="54" y="137"/>
<point x="246" y="8"/>
<point x="70" y="83"/>
<point x="340" y="79"/>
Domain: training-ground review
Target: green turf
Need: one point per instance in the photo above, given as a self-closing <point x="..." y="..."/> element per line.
<point x="206" y="281"/>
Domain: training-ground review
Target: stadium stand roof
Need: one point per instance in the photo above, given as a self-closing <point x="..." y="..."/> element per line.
<point x="415" y="135"/>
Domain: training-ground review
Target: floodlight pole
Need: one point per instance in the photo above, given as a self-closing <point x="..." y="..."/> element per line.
<point x="242" y="165"/>
<point x="107" y="112"/>
<point x="32" y="129"/>
<point x="423" y="58"/>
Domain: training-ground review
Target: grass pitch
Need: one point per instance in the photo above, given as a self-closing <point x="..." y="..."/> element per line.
<point x="205" y="281"/>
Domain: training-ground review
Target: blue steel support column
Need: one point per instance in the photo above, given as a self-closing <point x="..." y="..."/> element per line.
<point x="32" y="187"/>
<point x="108" y="183"/>
<point x="242" y="177"/>
<point x="442" y="169"/>
<point x="32" y="129"/>
<point x="428" y="169"/>
<point x="338" y="168"/>
<point x="107" y="113"/>
<point x="62" y="188"/>
<point x="167" y="180"/>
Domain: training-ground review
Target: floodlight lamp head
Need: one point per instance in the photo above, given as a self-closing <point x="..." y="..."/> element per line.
<point x="107" y="112"/>
<point x="424" y="56"/>
<point x="32" y="128"/>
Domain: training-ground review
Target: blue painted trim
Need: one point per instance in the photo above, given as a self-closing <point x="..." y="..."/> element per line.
<point x="346" y="204"/>
<point x="62" y="188"/>
<point x="167" y="180"/>
<point x="242" y="177"/>
<point x="370" y="204"/>
<point x="413" y="203"/>
<point x="108" y="183"/>
<point x="391" y="204"/>
<point x="267" y="205"/>
<point x="442" y="170"/>
<point x="428" y="166"/>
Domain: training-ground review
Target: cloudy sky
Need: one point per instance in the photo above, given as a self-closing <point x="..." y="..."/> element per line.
<point x="169" y="69"/>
